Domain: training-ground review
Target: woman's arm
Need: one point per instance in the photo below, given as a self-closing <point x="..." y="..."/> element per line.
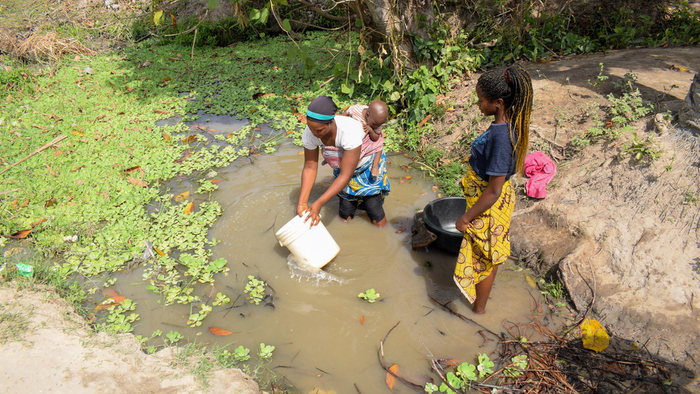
<point x="347" y="168"/>
<point x="485" y="201"/>
<point x="308" y="177"/>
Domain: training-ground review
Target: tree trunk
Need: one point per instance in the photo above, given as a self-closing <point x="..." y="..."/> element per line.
<point x="391" y="23"/>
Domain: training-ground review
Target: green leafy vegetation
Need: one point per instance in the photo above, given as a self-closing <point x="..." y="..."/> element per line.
<point x="370" y="295"/>
<point x="255" y="289"/>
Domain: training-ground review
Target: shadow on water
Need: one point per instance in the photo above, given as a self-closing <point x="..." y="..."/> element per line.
<point x="326" y="337"/>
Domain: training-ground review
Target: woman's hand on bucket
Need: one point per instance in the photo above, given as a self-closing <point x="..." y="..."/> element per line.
<point x="301" y="208"/>
<point x="312" y="212"/>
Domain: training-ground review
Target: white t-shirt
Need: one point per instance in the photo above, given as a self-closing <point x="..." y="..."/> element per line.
<point x="349" y="135"/>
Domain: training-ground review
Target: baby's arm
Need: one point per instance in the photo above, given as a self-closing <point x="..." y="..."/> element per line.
<point x="374" y="134"/>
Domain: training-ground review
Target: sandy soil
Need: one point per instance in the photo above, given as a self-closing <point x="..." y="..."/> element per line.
<point x="620" y="234"/>
<point x="51" y="350"/>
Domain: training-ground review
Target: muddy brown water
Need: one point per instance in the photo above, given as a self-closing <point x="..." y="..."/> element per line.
<point x="325" y="337"/>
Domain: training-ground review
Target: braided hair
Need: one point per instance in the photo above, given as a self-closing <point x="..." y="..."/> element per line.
<point x="514" y="85"/>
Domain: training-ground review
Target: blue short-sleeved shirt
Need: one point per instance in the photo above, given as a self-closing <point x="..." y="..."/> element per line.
<point x="493" y="153"/>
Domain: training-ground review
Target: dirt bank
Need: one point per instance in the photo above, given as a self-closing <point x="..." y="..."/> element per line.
<point x="620" y="233"/>
<point x="49" y="348"/>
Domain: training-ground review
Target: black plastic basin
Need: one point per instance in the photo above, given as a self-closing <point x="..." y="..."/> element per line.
<point x="440" y="217"/>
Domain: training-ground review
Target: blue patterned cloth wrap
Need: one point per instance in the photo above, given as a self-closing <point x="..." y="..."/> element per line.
<point x="363" y="183"/>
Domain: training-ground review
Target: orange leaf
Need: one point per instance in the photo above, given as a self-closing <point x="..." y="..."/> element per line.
<point x="182" y="196"/>
<point x="38" y="222"/>
<point x="51" y="171"/>
<point x="25" y="203"/>
<point x="21" y="234"/>
<point x="362" y="320"/>
<point x="167" y="137"/>
<point x="447" y="362"/>
<point x="14" y="204"/>
<point x="269" y="95"/>
<point x="190" y="138"/>
<point x="219" y="332"/>
<point x="109" y="302"/>
<point x="166" y="79"/>
<point x="76" y="132"/>
<point x="390" y="379"/>
<point x="435" y="188"/>
<point x="158" y="111"/>
<point x="422" y="122"/>
<point x="216" y="180"/>
<point x="406" y="178"/>
<point x="132" y="169"/>
<point x="253" y="110"/>
<point x="403" y="228"/>
<point x="405" y="168"/>
<point x="189" y="207"/>
<point x="159" y="252"/>
<point x="136" y="182"/>
<point x="111" y="293"/>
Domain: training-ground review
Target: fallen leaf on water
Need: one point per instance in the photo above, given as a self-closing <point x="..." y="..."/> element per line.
<point x="189" y="139"/>
<point x="166" y="137"/>
<point x="362" y="319"/>
<point x="402" y="229"/>
<point x="594" y="336"/>
<point x="219" y="332"/>
<point x="189" y="207"/>
<point x="439" y="195"/>
<point x="183" y="158"/>
<point x="531" y="281"/>
<point x="110" y="293"/>
<point x="109" y="302"/>
<point x="136" y="182"/>
<point x="406" y="178"/>
<point x="405" y="168"/>
<point x="301" y="153"/>
<point x="159" y="252"/>
<point x="390" y="379"/>
<point x="182" y="196"/>
<point x="132" y="169"/>
<point x="436" y="188"/>
<point x="216" y="180"/>
<point x="447" y="362"/>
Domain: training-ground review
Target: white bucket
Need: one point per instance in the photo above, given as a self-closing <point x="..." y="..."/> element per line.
<point x="310" y="246"/>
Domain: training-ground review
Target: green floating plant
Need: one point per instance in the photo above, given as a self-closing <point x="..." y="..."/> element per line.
<point x="370" y="295"/>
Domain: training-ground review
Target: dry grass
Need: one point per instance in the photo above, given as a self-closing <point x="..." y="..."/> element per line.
<point x="41" y="46"/>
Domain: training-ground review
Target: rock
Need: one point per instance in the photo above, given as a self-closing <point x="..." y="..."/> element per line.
<point x="421" y="236"/>
<point x="661" y="124"/>
<point x="690" y="113"/>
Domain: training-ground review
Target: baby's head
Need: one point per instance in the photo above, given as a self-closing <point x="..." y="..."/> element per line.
<point x="377" y="114"/>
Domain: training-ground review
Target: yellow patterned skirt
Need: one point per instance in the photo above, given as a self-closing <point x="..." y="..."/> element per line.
<point x="486" y="242"/>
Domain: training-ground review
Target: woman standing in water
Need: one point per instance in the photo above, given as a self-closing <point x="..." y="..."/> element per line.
<point x="497" y="154"/>
<point x="353" y="181"/>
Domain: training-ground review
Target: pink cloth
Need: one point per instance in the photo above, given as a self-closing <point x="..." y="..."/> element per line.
<point x="540" y="169"/>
